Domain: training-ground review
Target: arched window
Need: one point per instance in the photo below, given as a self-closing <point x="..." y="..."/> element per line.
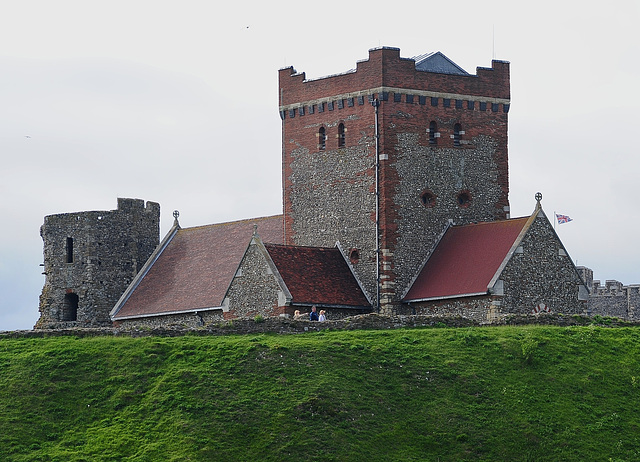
<point x="70" y="307"/>
<point x="322" y="139"/>
<point x="341" y="136"/>
<point x="457" y="134"/>
<point x="433" y="133"/>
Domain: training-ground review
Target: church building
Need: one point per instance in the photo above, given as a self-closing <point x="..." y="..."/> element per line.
<point x="395" y="200"/>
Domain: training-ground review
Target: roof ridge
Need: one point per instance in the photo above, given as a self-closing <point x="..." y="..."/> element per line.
<point x="235" y="222"/>
<point x="481" y="223"/>
<point x="294" y="246"/>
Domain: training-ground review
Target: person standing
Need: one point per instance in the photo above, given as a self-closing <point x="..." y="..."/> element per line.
<point x="313" y="316"/>
<point x="323" y="316"/>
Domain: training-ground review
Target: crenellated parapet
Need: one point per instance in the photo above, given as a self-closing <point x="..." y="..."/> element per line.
<point x="612" y="298"/>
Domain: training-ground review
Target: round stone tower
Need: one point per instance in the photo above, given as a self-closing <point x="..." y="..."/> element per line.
<point x="90" y="258"/>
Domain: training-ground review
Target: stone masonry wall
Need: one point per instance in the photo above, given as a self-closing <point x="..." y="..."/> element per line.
<point x="254" y="290"/>
<point x="444" y="172"/>
<point x="426" y="176"/>
<point x="613" y="298"/>
<point x="477" y="309"/>
<point x="91" y="257"/>
<point x="192" y="320"/>
<point x="541" y="273"/>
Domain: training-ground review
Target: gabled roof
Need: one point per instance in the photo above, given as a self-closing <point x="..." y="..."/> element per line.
<point x="317" y="275"/>
<point x="192" y="268"/>
<point x="468" y="259"/>
<point x="437" y="62"/>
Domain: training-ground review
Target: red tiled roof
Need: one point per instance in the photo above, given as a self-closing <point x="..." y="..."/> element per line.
<point x="317" y="275"/>
<point x="466" y="259"/>
<point x="196" y="267"/>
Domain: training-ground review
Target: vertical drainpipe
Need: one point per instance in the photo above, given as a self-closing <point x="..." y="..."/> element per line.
<point x="282" y="172"/>
<point x="376" y="104"/>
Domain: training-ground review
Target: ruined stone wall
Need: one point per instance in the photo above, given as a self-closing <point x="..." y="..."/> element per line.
<point x="541" y="272"/>
<point x="91" y="257"/>
<point x="615" y="299"/>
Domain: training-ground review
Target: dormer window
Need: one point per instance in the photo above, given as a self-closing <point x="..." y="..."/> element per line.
<point x="322" y="139"/>
<point x="341" y="135"/>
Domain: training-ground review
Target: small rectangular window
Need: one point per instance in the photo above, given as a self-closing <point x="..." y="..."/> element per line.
<point x="434" y="101"/>
<point x="397" y="97"/>
<point x="495" y="107"/>
<point x="384" y="96"/>
<point x="422" y="100"/>
<point x="360" y="100"/>
<point x="458" y="104"/>
<point x="292" y="113"/>
<point x="69" y="250"/>
<point x="471" y="105"/>
<point x="483" y="106"/>
<point x="301" y="110"/>
<point x="350" y="102"/>
<point x="310" y="109"/>
<point x="330" y="105"/>
<point x="409" y="99"/>
<point x="321" y="107"/>
<point x="446" y="102"/>
<point x="340" y="104"/>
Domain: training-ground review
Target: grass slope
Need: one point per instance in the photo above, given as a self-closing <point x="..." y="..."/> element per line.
<point x="498" y="393"/>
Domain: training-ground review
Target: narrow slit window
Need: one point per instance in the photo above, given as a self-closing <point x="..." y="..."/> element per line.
<point x="341" y="135"/>
<point x="69" y="250"/>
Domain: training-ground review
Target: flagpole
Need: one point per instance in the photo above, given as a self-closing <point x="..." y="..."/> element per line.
<point x="554" y="220"/>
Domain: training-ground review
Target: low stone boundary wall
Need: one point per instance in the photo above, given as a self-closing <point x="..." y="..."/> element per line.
<point x="289" y="326"/>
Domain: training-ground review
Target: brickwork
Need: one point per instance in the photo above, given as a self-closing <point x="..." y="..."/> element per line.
<point x="444" y="135"/>
<point x="90" y="258"/>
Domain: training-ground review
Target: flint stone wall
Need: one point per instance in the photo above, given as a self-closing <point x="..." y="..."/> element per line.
<point x="94" y="256"/>
<point x="285" y="325"/>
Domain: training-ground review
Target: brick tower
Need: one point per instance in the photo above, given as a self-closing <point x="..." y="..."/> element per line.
<point x="383" y="157"/>
<point x="90" y="258"/>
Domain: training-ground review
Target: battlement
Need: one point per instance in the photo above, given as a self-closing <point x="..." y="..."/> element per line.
<point x="385" y="71"/>
<point x="612" y="298"/>
<point x="137" y="205"/>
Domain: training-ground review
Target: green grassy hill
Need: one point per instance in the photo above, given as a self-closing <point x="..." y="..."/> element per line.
<point x="497" y="393"/>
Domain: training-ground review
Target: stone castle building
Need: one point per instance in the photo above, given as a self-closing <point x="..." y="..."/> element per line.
<point x="613" y="298"/>
<point x="90" y="258"/>
<point x="395" y="200"/>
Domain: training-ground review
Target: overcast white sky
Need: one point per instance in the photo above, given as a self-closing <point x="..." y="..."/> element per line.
<point x="176" y="102"/>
